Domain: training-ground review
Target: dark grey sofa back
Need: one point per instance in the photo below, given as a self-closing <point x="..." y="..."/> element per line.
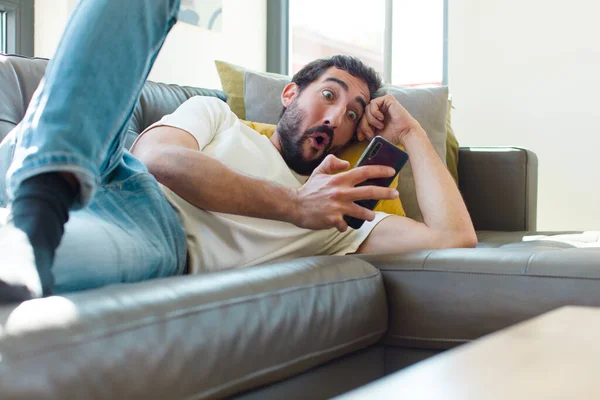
<point x="20" y="76"/>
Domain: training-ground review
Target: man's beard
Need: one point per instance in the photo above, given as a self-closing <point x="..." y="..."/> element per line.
<point x="292" y="140"/>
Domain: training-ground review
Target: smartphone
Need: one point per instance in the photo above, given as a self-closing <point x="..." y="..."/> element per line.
<point x="378" y="152"/>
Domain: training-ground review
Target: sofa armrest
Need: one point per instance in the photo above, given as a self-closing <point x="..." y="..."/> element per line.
<point x="499" y="186"/>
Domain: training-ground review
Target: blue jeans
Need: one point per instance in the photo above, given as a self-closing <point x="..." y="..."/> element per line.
<point x="122" y="228"/>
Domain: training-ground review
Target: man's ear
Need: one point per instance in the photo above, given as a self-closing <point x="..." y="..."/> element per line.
<point x="289" y="94"/>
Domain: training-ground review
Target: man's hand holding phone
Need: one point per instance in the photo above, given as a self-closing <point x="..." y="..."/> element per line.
<point x="328" y="196"/>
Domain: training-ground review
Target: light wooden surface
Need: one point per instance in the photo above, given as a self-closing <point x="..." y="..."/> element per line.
<point x="553" y="356"/>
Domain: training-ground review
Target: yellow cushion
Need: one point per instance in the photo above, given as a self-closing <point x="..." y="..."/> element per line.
<point x="350" y="153"/>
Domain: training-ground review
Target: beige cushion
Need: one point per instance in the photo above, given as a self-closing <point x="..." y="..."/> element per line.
<point x="428" y="106"/>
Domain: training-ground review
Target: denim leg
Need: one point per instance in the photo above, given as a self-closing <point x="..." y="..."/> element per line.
<point x="128" y="233"/>
<point x="78" y="116"/>
<point x="123" y="229"/>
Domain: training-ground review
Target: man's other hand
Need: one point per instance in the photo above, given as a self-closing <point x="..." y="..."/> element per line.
<point x="330" y="193"/>
<point x="387" y="118"/>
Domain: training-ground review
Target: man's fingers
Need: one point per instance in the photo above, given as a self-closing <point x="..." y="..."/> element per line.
<point x="359" y="212"/>
<point x="369" y="123"/>
<point x="341" y="225"/>
<point x="375" y="106"/>
<point x="372" y="193"/>
<point x="331" y="164"/>
<point x="372" y="118"/>
<point x="375" y="109"/>
<point x="361" y="174"/>
<point x="378" y="114"/>
<point x="360" y="135"/>
<point x="365" y="129"/>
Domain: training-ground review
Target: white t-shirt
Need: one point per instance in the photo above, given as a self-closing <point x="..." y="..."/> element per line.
<point x="219" y="241"/>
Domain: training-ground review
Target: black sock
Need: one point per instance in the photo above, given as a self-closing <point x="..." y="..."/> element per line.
<point x="41" y="209"/>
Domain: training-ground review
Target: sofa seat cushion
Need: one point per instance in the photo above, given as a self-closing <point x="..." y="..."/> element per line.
<point x="196" y="336"/>
<point x="441" y="298"/>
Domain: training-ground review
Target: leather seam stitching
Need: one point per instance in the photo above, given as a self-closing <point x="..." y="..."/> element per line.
<point x="444" y="339"/>
<point x="493" y="274"/>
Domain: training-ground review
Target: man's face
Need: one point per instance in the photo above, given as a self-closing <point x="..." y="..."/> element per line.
<point x="322" y="119"/>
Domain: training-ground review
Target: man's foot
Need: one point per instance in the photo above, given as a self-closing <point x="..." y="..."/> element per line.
<point x="19" y="279"/>
<point x="13" y="293"/>
<point x="39" y="212"/>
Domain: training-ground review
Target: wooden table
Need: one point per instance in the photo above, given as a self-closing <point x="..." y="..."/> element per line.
<point x="553" y="356"/>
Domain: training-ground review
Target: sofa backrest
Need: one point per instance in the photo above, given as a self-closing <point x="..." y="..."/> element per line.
<point x="20" y="76"/>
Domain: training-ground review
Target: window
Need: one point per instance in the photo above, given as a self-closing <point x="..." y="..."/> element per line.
<point x="16" y="27"/>
<point x="404" y="40"/>
<point x="3" y="39"/>
<point x="336" y="29"/>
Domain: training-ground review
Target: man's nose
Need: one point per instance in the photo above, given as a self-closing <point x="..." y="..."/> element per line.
<point x="333" y="117"/>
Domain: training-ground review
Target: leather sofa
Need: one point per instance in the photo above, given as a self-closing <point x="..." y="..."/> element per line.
<point x="309" y="328"/>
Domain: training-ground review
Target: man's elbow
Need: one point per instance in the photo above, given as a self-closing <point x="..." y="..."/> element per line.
<point x="461" y="239"/>
<point x="152" y="161"/>
<point x="467" y="239"/>
<point x="470" y="240"/>
<point x="159" y="162"/>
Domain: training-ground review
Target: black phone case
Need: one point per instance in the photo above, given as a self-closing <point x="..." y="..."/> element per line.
<point x="378" y="152"/>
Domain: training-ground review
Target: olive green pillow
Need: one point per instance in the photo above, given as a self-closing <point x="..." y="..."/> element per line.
<point x="232" y="81"/>
<point x="451" y="145"/>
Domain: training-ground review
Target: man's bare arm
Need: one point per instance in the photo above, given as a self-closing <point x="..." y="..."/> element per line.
<point x="446" y="220"/>
<point x="173" y="157"/>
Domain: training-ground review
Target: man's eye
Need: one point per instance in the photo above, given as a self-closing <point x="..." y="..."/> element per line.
<point x="353" y="115"/>
<point x="328" y="94"/>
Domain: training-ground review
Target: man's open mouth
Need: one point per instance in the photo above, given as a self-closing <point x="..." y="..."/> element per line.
<point x="319" y="140"/>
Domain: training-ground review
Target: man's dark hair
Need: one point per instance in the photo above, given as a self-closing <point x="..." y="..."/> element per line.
<point x="313" y="70"/>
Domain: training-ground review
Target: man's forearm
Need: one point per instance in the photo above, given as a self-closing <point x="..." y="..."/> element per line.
<point x="439" y="199"/>
<point x="208" y="184"/>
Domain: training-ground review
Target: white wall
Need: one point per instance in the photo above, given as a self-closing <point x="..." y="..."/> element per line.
<point x="50" y="18"/>
<point x="187" y="57"/>
<point x="527" y="73"/>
